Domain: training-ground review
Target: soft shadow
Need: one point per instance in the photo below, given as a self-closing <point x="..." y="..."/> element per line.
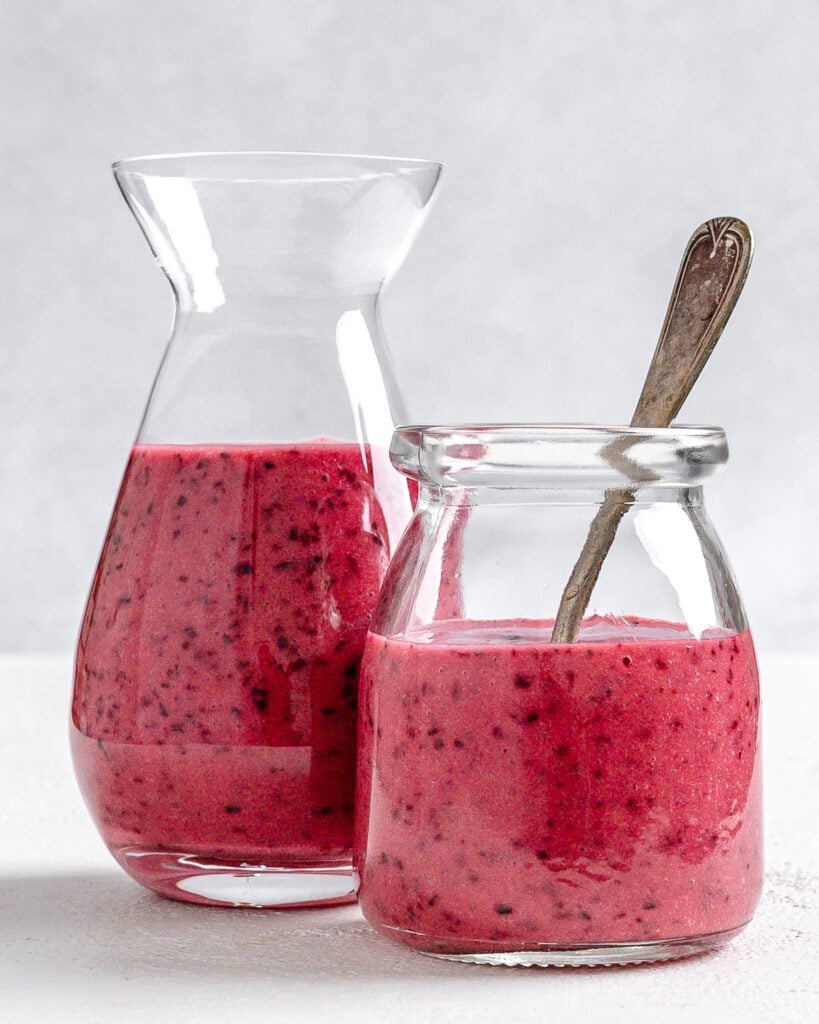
<point x="101" y="922"/>
<point x="100" y="927"/>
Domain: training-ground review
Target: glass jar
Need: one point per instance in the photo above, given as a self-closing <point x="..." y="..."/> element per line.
<point x="524" y="802"/>
<point x="214" y="709"/>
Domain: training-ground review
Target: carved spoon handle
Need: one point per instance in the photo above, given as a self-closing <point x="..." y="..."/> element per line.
<point x="713" y="270"/>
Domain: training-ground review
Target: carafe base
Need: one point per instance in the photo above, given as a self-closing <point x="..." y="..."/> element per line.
<point x="194" y="878"/>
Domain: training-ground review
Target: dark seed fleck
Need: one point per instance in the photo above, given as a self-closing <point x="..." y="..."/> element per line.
<point x="260" y="697"/>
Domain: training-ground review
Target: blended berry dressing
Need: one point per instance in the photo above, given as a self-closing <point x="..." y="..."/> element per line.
<point x="514" y="793"/>
<point x="215" y="699"/>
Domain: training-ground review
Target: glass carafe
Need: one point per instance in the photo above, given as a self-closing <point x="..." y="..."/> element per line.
<point x="524" y="802"/>
<point x="213" y="717"/>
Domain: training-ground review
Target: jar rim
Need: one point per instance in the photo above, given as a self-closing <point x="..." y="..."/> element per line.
<point x="565" y="455"/>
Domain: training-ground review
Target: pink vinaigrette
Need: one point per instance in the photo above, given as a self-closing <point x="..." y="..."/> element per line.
<point x="625" y="804"/>
<point x="217" y="672"/>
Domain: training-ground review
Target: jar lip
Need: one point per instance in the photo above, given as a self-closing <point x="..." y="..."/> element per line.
<point x="557" y="431"/>
<point x="279" y="166"/>
<point x="567" y="455"/>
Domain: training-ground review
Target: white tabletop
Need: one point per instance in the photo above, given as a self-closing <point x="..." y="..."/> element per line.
<point x="80" y="942"/>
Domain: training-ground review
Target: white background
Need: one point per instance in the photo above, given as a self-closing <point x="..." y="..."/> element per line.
<point x="584" y="141"/>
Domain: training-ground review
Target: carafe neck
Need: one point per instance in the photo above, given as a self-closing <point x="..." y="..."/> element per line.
<point x="277" y="262"/>
<point x="268" y="315"/>
<point x="277" y="369"/>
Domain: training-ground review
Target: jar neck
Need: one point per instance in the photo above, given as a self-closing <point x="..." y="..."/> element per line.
<point x="471" y="497"/>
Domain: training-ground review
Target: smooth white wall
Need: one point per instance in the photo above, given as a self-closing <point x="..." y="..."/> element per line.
<point x="584" y="141"/>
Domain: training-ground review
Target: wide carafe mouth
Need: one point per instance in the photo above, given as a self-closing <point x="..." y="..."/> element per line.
<point x="559" y="456"/>
<point x="273" y="166"/>
<point x="231" y="228"/>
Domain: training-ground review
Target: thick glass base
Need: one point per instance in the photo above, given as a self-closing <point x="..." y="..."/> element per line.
<point x="194" y="878"/>
<point x="615" y="954"/>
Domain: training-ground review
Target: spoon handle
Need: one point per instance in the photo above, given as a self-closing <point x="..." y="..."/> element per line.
<point x="711" y="275"/>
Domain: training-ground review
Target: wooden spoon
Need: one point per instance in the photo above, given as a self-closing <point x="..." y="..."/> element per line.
<point x="713" y="270"/>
